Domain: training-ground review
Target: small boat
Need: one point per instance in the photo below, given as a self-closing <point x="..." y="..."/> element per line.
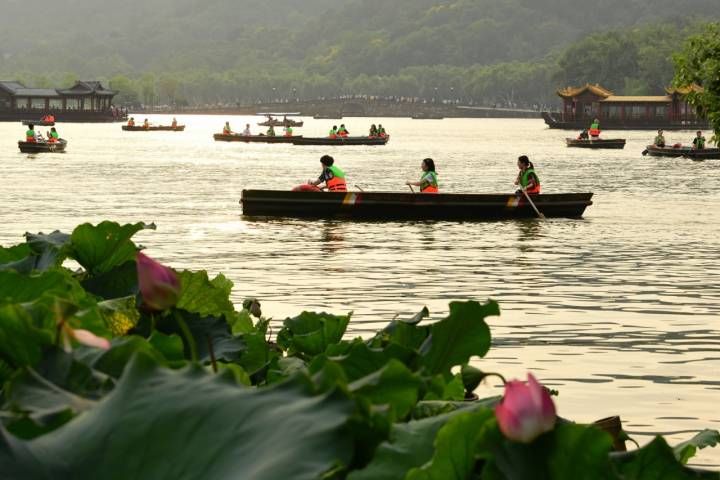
<point x="42" y="147"/>
<point x="427" y="116"/>
<point x="281" y="123"/>
<point x="395" y="205"/>
<point x="236" y="137"/>
<point x="615" y="143"/>
<point x="327" y="117"/>
<point x="153" y="128"/>
<point x="38" y="123"/>
<point x="685" y="152"/>
<point x="340" y="141"/>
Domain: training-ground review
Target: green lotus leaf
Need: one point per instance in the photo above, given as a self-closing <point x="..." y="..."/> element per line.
<point x="394" y="385"/>
<point x="311" y="333"/>
<point x="100" y="248"/>
<point x="188" y="424"/>
<point x="199" y="294"/>
<point x="458" y="337"/>
<point x="686" y="450"/>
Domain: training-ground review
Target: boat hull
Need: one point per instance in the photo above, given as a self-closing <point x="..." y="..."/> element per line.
<point x="685" y="152"/>
<point x="280" y="123"/>
<point x="43" y="147"/>
<point x="417" y="206"/>
<point x="158" y="128"/>
<point x="38" y="123"/>
<point x="610" y="143"/>
<point x="219" y="137"/>
<point x="340" y="141"/>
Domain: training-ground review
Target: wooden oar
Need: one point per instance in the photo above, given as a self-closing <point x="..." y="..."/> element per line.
<point x="540" y="215"/>
<point x="356" y="186"/>
<point x="411" y="188"/>
<point x="644" y="152"/>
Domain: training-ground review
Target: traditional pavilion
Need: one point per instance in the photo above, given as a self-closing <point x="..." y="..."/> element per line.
<point x="83" y="102"/>
<point x="593" y="101"/>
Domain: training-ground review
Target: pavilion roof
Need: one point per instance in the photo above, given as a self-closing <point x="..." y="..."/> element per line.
<point x="569" y="92"/>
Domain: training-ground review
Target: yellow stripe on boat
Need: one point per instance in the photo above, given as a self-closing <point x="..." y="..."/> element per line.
<point x="513" y="201"/>
<point x="349" y="199"/>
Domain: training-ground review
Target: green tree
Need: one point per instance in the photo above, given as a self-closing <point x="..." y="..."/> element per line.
<point x="699" y="63"/>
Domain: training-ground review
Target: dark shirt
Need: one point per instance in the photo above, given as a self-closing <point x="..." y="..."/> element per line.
<point x="326" y="175"/>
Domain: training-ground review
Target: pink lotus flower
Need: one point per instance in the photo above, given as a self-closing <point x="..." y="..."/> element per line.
<point x="526" y="410"/>
<point x="159" y="285"/>
<point x="90" y="339"/>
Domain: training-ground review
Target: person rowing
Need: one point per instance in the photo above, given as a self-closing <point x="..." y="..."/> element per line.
<point x="428" y="180"/>
<point x="333" y="132"/>
<point x="30" y="134"/>
<point x="247" y="132"/>
<point x="583" y="135"/>
<point x="331" y="175"/>
<point x="131" y="122"/>
<point x="226" y="129"/>
<point x="288" y="131"/>
<point x="659" y="139"/>
<point x="699" y="141"/>
<point x="174" y="123"/>
<point x="53" y="136"/>
<point x="527" y="179"/>
<point x="270" y="131"/>
<point x="595" y="128"/>
<point x="342" y="131"/>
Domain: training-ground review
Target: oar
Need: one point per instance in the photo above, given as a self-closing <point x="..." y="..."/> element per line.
<point x="540" y="215"/>
<point x="411" y="188"/>
<point x="644" y="152"/>
<point x="356" y="186"/>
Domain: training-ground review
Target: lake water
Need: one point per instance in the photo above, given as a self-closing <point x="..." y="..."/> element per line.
<point x="619" y="311"/>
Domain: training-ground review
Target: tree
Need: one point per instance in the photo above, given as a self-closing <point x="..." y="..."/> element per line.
<point x="699" y="63"/>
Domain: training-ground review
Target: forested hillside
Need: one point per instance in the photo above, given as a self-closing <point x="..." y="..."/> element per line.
<point x="236" y="50"/>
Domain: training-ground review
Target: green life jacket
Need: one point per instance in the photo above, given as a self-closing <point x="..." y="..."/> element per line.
<point x="271" y="132"/>
<point x="337" y="173"/>
<point x="428" y="179"/>
<point x="54" y="135"/>
<point x="659" y="141"/>
<point x="332" y="132"/>
<point x="30" y="133"/>
<point x="595" y="126"/>
<point x="525" y="178"/>
<point x="699" y="142"/>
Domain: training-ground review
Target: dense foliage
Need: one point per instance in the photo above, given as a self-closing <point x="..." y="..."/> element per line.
<point x="188" y="387"/>
<point x="488" y="51"/>
<point x="699" y="63"/>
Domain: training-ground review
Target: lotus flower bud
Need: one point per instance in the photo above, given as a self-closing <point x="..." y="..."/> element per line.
<point x="90" y="339"/>
<point x="526" y="411"/>
<point x="159" y="285"/>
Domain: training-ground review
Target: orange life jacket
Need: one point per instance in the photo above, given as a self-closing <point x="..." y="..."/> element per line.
<point x="337" y="183"/>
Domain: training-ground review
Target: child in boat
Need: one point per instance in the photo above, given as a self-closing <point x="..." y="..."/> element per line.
<point x="699" y="141"/>
<point x="428" y="180"/>
<point x="332" y="176"/>
<point x="527" y="179"/>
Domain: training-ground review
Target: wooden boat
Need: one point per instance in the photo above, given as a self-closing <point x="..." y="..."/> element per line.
<point x="38" y="123"/>
<point x="327" y="117"/>
<point x="340" y="141"/>
<point x="394" y="205"/>
<point x="153" y="128"/>
<point x="685" y="152"/>
<point x="615" y="143"/>
<point x="42" y="147"/>
<point x="427" y="116"/>
<point x="236" y="137"/>
<point x="281" y="123"/>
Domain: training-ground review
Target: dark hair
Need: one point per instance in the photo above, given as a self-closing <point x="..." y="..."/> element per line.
<point x="335" y="126"/>
<point x="327" y="160"/>
<point x="31" y="126"/>
<point x="525" y="161"/>
<point x="430" y="164"/>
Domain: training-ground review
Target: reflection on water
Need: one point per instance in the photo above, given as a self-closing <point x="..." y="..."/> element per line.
<point x="618" y="311"/>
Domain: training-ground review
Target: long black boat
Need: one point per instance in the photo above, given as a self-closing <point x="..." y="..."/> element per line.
<point x="420" y="206"/>
<point x="236" y="137"/>
<point x="612" y="143"/>
<point x="38" y="123"/>
<point x="281" y="123"/>
<point x="684" y="152"/>
<point x="340" y="141"/>
<point x="153" y="128"/>
<point x="43" y="147"/>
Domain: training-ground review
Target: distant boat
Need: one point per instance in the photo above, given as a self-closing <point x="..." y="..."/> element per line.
<point x="38" y="123"/>
<point x="327" y="117"/>
<point x="153" y="128"/>
<point x="399" y="206"/>
<point x="281" y="123"/>
<point x="236" y="137"/>
<point x="427" y="116"/>
<point x="684" y="152"/>
<point x="340" y="141"/>
<point x="43" y="147"/>
<point x="612" y="143"/>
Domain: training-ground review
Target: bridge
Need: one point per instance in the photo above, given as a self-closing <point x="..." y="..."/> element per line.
<point x="367" y="107"/>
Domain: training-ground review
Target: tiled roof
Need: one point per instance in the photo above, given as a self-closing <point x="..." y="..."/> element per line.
<point x="685" y="90"/>
<point x="568" y="92"/>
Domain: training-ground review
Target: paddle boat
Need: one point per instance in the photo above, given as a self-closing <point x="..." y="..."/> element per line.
<point x="236" y="137"/>
<point x="613" y="143"/>
<point x="153" y="128"/>
<point x="340" y="141"/>
<point x="43" y="147"/>
<point x="684" y="152"/>
<point x="303" y="202"/>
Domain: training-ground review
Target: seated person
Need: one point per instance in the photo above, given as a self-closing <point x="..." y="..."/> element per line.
<point x="659" y="139"/>
<point x="699" y="141"/>
<point x="583" y="135"/>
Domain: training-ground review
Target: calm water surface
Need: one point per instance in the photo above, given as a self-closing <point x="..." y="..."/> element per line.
<point x="619" y="311"/>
